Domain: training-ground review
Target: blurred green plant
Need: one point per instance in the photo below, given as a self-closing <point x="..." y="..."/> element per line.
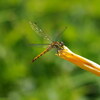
<point x="49" y="78"/>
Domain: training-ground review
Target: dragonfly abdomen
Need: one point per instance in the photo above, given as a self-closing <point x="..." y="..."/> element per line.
<point x="49" y="48"/>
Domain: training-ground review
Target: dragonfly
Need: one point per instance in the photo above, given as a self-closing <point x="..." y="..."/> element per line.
<point x="65" y="53"/>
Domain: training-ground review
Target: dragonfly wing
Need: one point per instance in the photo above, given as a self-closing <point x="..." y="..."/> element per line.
<point x="39" y="31"/>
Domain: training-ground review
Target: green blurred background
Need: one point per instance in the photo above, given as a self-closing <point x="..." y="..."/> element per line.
<point x="50" y="77"/>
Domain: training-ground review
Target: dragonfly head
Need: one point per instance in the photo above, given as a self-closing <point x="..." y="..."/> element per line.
<point x="58" y="45"/>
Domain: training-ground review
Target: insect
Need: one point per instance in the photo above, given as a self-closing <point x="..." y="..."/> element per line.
<point x="66" y="54"/>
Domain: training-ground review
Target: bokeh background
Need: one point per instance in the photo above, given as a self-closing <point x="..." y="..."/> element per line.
<point x="50" y="77"/>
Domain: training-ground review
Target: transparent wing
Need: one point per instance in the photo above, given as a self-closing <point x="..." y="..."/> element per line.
<point x="59" y="34"/>
<point x="37" y="44"/>
<point x="39" y="31"/>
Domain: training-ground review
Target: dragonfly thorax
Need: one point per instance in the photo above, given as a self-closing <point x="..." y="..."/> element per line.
<point x="58" y="45"/>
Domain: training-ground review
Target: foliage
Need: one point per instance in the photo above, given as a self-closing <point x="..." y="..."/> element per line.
<point x="49" y="78"/>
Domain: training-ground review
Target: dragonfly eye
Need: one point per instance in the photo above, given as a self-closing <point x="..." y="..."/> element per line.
<point x="61" y="43"/>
